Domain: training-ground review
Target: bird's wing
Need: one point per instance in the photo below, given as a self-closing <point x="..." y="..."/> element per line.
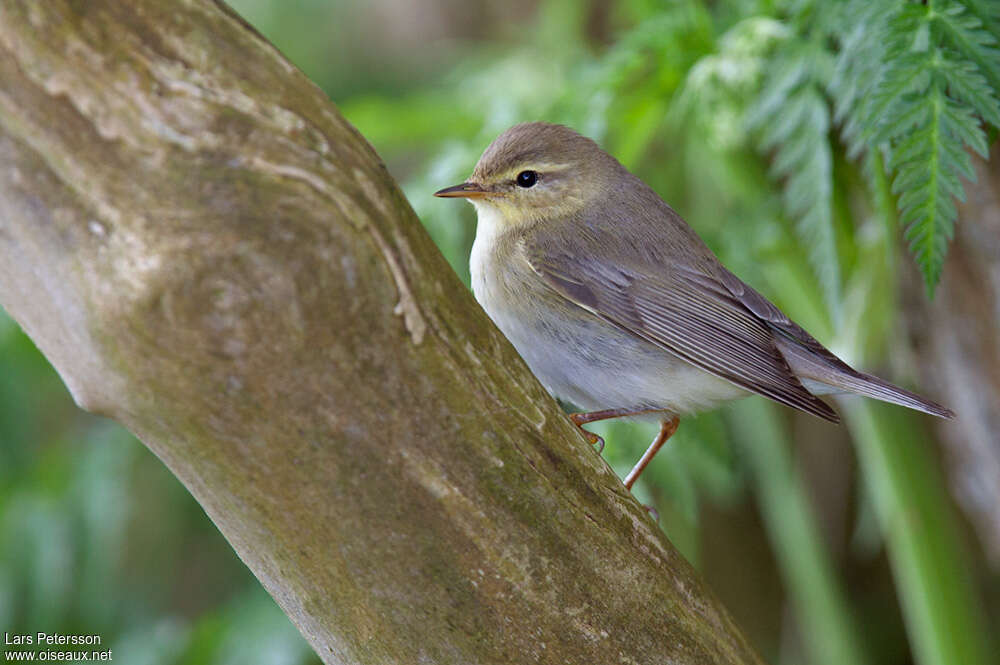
<point x="778" y="322"/>
<point x="686" y="311"/>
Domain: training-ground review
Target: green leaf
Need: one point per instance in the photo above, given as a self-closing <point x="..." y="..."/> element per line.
<point x="863" y="32"/>
<point x="967" y="85"/>
<point x="987" y="11"/>
<point x="964" y="32"/>
<point x="927" y="186"/>
<point x="937" y="596"/>
<point x="793" y="120"/>
<point x="923" y="93"/>
<point x="906" y="76"/>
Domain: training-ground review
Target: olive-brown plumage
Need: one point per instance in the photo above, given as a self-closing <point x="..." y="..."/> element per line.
<point x="616" y="303"/>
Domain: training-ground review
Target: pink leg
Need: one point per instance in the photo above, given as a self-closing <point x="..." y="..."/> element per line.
<point x="593" y="416"/>
<point x="667" y="429"/>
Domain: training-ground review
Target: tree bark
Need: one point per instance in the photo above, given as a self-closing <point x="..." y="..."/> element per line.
<point x="208" y="253"/>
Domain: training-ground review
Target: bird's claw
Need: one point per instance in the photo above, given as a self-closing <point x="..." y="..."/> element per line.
<point x="594" y="439"/>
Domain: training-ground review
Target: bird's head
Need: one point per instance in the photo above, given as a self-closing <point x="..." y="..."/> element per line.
<point x="537" y="171"/>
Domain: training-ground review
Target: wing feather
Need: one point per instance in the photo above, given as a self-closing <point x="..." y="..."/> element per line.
<point x="689" y="313"/>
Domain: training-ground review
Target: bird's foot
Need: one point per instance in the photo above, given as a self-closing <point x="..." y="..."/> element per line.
<point x="593" y="439"/>
<point x="580" y="419"/>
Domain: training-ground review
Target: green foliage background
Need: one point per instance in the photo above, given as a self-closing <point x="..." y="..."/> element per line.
<point x="801" y="139"/>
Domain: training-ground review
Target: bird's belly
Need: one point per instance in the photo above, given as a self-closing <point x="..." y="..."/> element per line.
<point x="596" y="365"/>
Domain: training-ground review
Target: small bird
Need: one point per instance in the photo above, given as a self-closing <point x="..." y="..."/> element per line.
<point x="617" y="305"/>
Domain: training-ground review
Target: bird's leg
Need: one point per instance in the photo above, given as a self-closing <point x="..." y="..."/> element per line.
<point x="581" y="419"/>
<point x="667" y="429"/>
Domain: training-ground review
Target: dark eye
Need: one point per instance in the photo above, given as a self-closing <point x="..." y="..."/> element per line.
<point x="527" y="179"/>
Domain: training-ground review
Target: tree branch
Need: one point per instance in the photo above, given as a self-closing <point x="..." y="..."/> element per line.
<point x="208" y="253"/>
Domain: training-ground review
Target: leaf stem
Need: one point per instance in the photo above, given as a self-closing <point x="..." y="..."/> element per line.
<point x="830" y="634"/>
<point x="940" y="608"/>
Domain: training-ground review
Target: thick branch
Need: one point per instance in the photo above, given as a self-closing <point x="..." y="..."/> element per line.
<point x="210" y="254"/>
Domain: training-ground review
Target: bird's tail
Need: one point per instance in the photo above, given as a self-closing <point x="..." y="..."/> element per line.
<point x="872" y="386"/>
<point x="821" y="374"/>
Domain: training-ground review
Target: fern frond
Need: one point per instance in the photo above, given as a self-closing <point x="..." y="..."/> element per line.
<point x="892" y="102"/>
<point x="863" y="30"/>
<point x="928" y="163"/>
<point x="964" y="32"/>
<point x="987" y="11"/>
<point x="791" y="118"/>
<point x="967" y="85"/>
<point x="924" y="100"/>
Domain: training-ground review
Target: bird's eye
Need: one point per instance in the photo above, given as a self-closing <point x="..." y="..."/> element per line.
<point x="527" y="179"/>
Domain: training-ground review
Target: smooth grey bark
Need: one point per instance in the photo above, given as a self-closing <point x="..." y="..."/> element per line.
<point x="208" y="253"/>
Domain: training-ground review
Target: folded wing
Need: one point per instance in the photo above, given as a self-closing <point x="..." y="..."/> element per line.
<point x="689" y="313"/>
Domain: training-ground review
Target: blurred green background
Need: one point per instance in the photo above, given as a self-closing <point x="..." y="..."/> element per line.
<point x="828" y="544"/>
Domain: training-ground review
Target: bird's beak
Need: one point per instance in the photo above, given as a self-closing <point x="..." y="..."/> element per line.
<point x="467" y="190"/>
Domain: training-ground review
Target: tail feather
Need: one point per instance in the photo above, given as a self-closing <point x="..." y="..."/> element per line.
<point x="827" y="373"/>
<point x="872" y="386"/>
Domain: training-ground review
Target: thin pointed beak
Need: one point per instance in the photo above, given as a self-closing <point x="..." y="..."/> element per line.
<point x="467" y="190"/>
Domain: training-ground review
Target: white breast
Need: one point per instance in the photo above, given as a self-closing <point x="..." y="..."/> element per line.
<point x="584" y="360"/>
<point x="488" y="228"/>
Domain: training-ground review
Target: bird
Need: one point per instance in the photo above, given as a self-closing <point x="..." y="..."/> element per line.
<point x="619" y="307"/>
